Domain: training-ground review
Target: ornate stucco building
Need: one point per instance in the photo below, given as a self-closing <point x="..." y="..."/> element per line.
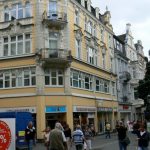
<point x="136" y="68"/>
<point x="57" y="61"/>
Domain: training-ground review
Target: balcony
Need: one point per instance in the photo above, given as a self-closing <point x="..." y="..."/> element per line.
<point x="55" y="19"/>
<point x="125" y="76"/>
<point x="55" y="57"/>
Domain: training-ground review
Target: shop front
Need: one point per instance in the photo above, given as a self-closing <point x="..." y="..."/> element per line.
<point x="54" y="114"/>
<point x="104" y="114"/>
<point x="125" y="113"/>
<point x="22" y="109"/>
<point x="84" y="115"/>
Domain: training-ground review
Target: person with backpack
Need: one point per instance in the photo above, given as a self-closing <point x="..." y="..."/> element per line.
<point x="143" y="137"/>
<point x="107" y="129"/>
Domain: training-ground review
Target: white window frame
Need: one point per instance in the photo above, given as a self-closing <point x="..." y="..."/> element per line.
<point x="16" y="42"/>
<point x="48" y="75"/>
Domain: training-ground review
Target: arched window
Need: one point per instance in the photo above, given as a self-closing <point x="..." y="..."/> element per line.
<point x="6" y="13"/>
<point x="27" y="9"/>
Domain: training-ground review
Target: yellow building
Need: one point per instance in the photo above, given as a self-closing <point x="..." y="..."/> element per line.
<point x="56" y="61"/>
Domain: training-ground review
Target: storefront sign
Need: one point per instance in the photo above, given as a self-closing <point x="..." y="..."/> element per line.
<point x="84" y="109"/>
<point x="124" y="108"/>
<point x="56" y="109"/>
<point x="19" y="109"/>
<point x="7" y="134"/>
<point x="104" y="109"/>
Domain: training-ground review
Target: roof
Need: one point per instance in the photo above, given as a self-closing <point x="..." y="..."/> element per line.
<point x="122" y="37"/>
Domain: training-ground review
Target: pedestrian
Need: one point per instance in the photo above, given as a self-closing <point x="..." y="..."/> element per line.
<point x="30" y="135"/>
<point x="57" y="138"/>
<point x="88" y="137"/>
<point x="67" y="132"/>
<point x="78" y="138"/>
<point x="143" y="137"/>
<point x="107" y="130"/>
<point x="121" y="129"/>
<point x="46" y="137"/>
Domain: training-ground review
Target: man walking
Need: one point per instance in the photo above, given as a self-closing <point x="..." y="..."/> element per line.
<point x="78" y="138"/>
<point x="107" y="127"/>
<point x="57" y="138"/>
<point x="30" y="135"/>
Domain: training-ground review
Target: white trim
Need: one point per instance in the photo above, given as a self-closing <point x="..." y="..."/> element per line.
<point x="18" y="95"/>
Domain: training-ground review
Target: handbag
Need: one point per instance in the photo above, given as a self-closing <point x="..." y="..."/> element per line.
<point x="126" y="140"/>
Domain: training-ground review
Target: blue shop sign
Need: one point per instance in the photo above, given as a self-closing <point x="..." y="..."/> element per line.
<point x="56" y="109"/>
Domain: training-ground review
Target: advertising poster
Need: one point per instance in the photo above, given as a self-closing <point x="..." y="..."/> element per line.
<point x="7" y="134"/>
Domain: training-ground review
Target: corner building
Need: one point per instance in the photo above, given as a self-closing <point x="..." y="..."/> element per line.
<point x="56" y="61"/>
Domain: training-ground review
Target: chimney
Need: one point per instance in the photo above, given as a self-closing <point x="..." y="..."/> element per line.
<point x="97" y="12"/>
<point x="128" y="28"/>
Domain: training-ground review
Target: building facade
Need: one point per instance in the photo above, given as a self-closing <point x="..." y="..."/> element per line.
<point x="123" y="80"/>
<point x="136" y="68"/>
<point x="57" y="62"/>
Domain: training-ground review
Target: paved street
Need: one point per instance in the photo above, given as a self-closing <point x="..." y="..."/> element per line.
<point x="100" y="143"/>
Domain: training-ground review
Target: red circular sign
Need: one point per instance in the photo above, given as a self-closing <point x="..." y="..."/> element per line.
<point x="5" y="136"/>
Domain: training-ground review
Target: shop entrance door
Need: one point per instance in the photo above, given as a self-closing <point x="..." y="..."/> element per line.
<point x="51" y="123"/>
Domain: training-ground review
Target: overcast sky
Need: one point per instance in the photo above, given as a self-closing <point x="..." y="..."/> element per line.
<point x="135" y="12"/>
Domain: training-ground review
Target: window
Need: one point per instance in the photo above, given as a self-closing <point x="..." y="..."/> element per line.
<point x="89" y="27"/>
<point x="103" y="61"/>
<point x="99" y="85"/>
<point x="20" y="11"/>
<point x="6" y="13"/>
<point x="53" y="40"/>
<point x="54" y="77"/>
<point x="106" y="86"/>
<point x="27" y="43"/>
<point x="113" y="88"/>
<point x="6" y="48"/>
<point x="92" y="56"/>
<point x="17" y="11"/>
<point x="53" y="9"/>
<point x="78" y="48"/>
<point x="20" y="45"/>
<point x="17" y="78"/>
<point x="95" y="31"/>
<point x="27" y="9"/>
<point x="76" y="17"/>
<point x="15" y="46"/>
<point x="102" y="34"/>
<point x="81" y="80"/>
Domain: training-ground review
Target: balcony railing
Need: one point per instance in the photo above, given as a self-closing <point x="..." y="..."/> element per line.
<point x="55" y="18"/>
<point x="125" y="76"/>
<point x="55" y="57"/>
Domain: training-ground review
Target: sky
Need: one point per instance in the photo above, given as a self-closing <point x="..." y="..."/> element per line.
<point x="135" y="12"/>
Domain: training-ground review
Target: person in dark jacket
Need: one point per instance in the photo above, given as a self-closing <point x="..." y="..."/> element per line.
<point x="143" y="138"/>
<point x="30" y="135"/>
<point x="67" y="132"/>
<point x="121" y="129"/>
